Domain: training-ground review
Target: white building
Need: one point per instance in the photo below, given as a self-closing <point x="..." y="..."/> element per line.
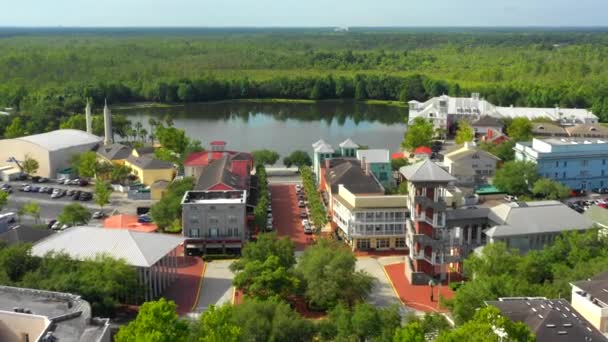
<point x="590" y="299"/>
<point x="52" y="150"/>
<point x="153" y="255"/>
<point x="444" y="111"/>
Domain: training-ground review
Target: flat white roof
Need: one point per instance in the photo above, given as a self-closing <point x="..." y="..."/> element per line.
<point x="61" y="139"/>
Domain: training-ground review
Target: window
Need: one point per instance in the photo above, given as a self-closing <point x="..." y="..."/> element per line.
<point x="584" y="162"/>
<point x="603" y="172"/>
<point x="232" y="219"/>
<point x="474" y="166"/>
<point x="475" y="156"/>
<point x="383" y="176"/>
<point x="400" y="242"/>
<point x="211" y="207"/>
<point x="556" y="175"/>
<point x="564" y="174"/>
<point x="363" y="244"/>
<point x="213" y="232"/>
<point x="565" y="163"/>
<point x="556" y="163"/>
<point x="382" y="243"/>
<point x="194" y="233"/>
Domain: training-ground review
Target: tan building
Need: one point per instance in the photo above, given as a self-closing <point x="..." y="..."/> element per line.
<point x="150" y="170"/>
<point x="114" y="153"/>
<point x="368" y="221"/>
<point x="587" y="131"/>
<point x="470" y="164"/>
<point x="53" y="150"/>
<point x="590" y="299"/>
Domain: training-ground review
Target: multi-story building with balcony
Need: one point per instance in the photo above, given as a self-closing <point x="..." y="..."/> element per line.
<point x="367" y="221"/>
<point x="578" y="163"/>
<point x="426" y="235"/>
<point x="214" y="220"/>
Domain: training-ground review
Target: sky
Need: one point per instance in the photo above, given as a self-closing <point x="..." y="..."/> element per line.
<point x="302" y="13"/>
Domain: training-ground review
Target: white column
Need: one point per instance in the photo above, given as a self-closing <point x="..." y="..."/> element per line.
<point x="479" y="235"/>
<point x="469" y="234"/>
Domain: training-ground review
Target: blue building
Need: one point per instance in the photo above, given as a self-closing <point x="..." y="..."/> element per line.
<point x="577" y="163"/>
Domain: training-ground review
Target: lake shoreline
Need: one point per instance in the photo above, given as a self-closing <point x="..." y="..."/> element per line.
<point x="141" y="105"/>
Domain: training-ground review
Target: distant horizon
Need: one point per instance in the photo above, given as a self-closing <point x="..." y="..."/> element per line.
<point x="309" y="13"/>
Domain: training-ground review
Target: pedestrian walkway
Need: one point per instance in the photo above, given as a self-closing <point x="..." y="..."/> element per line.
<point x="185" y="290"/>
<point x="216" y="288"/>
<point x="416" y="296"/>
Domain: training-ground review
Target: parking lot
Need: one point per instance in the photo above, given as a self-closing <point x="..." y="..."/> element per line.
<point x="286" y="215"/>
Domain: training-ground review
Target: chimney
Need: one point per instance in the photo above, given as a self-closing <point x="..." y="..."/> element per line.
<point x="87" y="115"/>
<point x="107" y="124"/>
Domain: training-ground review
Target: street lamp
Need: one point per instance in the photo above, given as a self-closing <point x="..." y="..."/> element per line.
<point x="432" y="284"/>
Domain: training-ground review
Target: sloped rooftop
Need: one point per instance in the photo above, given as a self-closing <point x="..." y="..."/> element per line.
<point x="426" y="171"/>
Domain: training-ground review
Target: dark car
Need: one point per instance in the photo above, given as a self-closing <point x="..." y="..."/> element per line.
<point x="21" y="177"/>
<point x="85" y="196"/>
<point x="76" y="195"/>
<point x="51" y="223"/>
<point x="35" y="179"/>
<point x="144" y="219"/>
<point x="83" y="182"/>
<point x="303" y="214"/>
<point x="70" y="192"/>
<point x="49" y="190"/>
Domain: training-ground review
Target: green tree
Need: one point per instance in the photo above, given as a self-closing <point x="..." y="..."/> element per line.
<point x="263" y="280"/>
<point x="120" y="173"/>
<point x="419" y="133"/>
<point x="30" y="165"/>
<point x="74" y="214"/>
<point x="102" y="193"/>
<point x="504" y="150"/>
<point x="550" y="189"/>
<point x="16" y="261"/>
<point x="216" y="325"/>
<point x="156" y="322"/>
<point x="15" y="129"/>
<point x="411" y="332"/>
<point x="485" y="326"/>
<point x="85" y="164"/>
<point x="3" y="199"/>
<point x="265" y="157"/>
<point x="516" y="177"/>
<point x="297" y="158"/>
<point x="398" y="163"/>
<point x="328" y="268"/>
<point x="520" y="129"/>
<point x="32" y="209"/>
<point x="267" y="245"/>
<point x="168" y="209"/>
<point x="465" y="132"/>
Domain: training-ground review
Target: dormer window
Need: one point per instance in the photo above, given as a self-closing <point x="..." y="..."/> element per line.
<point x="593" y="129"/>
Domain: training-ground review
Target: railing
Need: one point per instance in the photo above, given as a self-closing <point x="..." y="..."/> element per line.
<point x="383" y="233"/>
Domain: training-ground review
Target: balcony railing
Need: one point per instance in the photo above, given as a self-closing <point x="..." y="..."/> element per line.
<point x="377" y="233"/>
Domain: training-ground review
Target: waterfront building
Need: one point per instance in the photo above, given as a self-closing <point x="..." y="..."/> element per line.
<point x="214" y="220"/>
<point x="378" y="163"/>
<point x="445" y="111"/>
<point x="578" y="163"/>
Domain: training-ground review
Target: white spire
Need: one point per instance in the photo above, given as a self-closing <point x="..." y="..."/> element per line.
<point x="88" y="118"/>
<point x="107" y="124"/>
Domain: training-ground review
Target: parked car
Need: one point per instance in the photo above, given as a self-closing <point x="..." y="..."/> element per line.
<point x="26" y="188"/>
<point x="307" y="229"/>
<point x="305" y="222"/>
<point x="57" y="225"/>
<point x="6" y="188"/>
<point x="21" y="177"/>
<point x="85" y="196"/>
<point x="70" y="192"/>
<point x="34" y="188"/>
<point x="99" y="215"/>
<point x="57" y="193"/>
<point x="577" y="193"/>
<point x="49" y="190"/>
<point x="43" y="189"/>
<point x="303" y="214"/>
<point x="510" y="198"/>
<point x="301" y="204"/>
<point x="35" y="179"/>
<point x="51" y="223"/>
<point x="144" y="219"/>
<point x="42" y="180"/>
<point x="76" y="195"/>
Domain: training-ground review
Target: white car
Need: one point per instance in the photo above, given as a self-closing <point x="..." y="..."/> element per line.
<point x="305" y="222"/>
<point x="57" y="225"/>
<point x="307" y="229"/>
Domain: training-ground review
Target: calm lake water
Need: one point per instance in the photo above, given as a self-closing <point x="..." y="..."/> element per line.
<point x="282" y="127"/>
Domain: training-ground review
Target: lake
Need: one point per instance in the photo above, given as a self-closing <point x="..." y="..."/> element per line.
<point x="282" y="127"/>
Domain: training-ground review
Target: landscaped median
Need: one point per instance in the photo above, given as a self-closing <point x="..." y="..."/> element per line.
<point x="318" y="214"/>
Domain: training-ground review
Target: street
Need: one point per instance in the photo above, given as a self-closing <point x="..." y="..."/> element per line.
<point x="216" y="288"/>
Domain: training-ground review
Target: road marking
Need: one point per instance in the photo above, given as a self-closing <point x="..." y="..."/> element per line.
<point x="200" y="285"/>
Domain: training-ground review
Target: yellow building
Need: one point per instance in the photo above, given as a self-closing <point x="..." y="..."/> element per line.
<point x="368" y="221"/>
<point x="150" y="170"/>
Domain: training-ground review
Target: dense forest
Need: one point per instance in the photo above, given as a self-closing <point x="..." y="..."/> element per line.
<point x="46" y="75"/>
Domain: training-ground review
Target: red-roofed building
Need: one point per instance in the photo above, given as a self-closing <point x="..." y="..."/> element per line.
<point x="128" y="222"/>
<point x="495" y="137"/>
<point x="240" y="163"/>
<point x="423" y="150"/>
<point x="399" y="155"/>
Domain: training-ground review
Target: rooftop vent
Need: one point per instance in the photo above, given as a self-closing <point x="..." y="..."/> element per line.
<point x="550" y="325"/>
<point x="567" y="325"/>
<point x="562" y="332"/>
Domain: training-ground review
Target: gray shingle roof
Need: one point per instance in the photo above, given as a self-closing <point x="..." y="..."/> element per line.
<point x="349" y="173"/>
<point x="487" y="121"/>
<point x="596" y="287"/>
<point x="149" y="163"/>
<point x="522" y="218"/>
<point x="426" y="171"/>
<point x="114" y="151"/>
<point x="136" y="248"/>
<point x="551" y="320"/>
<point x="24" y="234"/>
<point x="217" y="172"/>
